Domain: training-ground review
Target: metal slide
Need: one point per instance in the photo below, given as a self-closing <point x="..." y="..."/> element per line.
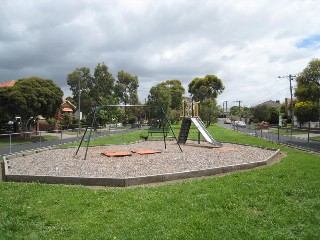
<point x="199" y="124"/>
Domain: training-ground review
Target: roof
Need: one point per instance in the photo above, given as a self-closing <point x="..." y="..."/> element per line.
<point x="68" y="104"/>
<point x="7" y="84"/>
<point x="67" y="109"/>
<point x="270" y="103"/>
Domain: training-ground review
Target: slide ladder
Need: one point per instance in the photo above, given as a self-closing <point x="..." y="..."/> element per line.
<point x="184" y="130"/>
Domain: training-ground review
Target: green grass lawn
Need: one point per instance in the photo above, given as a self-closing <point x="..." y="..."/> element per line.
<point x="315" y="138"/>
<point x="20" y="140"/>
<point x="286" y="131"/>
<point x="280" y="201"/>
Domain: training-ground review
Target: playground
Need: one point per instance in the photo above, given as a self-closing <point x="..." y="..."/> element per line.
<point x="140" y="162"/>
<point x="166" y="164"/>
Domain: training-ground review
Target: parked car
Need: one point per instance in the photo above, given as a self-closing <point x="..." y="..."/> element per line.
<point x="264" y="125"/>
<point x="240" y="124"/>
<point x="227" y="121"/>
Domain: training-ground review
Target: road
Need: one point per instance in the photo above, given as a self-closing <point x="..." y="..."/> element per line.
<point x="30" y="146"/>
<point x="299" y="141"/>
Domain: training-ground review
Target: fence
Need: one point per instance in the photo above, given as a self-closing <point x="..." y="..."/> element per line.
<point x="16" y="142"/>
<point x="307" y="138"/>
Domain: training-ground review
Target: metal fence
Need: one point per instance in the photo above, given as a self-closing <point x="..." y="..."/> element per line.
<point x="306" y="138"/>
<point x="40" y="140"/>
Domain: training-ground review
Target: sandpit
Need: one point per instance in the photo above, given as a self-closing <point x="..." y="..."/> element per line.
<point x="62" y="166"/>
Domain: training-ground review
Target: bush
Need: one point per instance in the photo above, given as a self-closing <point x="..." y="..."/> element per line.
<point x="306" y="111"/>
<point x="132" y="119"/>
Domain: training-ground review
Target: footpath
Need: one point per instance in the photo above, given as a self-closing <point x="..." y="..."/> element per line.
<point x="63" y="139"/>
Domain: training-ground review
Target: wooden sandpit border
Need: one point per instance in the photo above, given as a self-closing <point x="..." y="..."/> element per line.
<point x="131" y="181"/>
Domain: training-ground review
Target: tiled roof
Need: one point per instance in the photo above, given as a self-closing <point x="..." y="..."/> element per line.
<point x="67" y="109"/>
<point x="7" y="84"/>
<point x="270" y="103"/>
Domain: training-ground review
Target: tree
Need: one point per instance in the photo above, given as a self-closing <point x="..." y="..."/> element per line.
<point x="159" y="96"/>
<point x="261" y="113"/>
<point x="208" y="107"/>
<point x="308" y="90"/>
<point x="126" y="91"/>
<point x="167" y="95"/>
<point x="308" y="82"/>
<point x="94" y="90"/>
<point x="79" y="82"/>
<point x="306" y="111"/>
<point x="274" y="115"/>
<point x="176" y="91"/>
<point x="7" y="112"/>
<point x="31" y="97"/>
<point x="126" y="88"/>
<point x="206" y="90"/>
<point x="234" y="111"/>
<point x="101" y="85"/>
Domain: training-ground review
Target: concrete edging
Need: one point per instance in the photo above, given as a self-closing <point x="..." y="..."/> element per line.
<point x="126" y="182"/>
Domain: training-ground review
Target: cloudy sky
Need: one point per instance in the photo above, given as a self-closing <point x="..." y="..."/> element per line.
<point x="247" y="43"/>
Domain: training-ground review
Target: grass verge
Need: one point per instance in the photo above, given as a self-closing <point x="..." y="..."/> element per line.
<point x="315" y="138"/>
<point x="280" y="201"/>
<point x="18" y="140"/>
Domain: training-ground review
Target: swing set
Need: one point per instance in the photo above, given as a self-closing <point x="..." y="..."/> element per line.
<point x="98" y="108"/>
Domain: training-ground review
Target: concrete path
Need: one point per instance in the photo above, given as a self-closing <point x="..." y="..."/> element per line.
<point x="66" y="138"/>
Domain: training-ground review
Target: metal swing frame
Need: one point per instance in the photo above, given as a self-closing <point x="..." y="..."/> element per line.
<point x="97" y="108"/>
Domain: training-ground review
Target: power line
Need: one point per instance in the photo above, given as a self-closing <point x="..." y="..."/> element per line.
<point x="258" y="84"/>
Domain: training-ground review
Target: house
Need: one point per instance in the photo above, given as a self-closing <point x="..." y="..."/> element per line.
<point x="271" y="103"/>
<point x="66" y="107"/>
<point x="8" y="83"/>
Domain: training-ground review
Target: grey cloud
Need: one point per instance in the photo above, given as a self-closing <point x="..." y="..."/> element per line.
<point x="155" y="40"/>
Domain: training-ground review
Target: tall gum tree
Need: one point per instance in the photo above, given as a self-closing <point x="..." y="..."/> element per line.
<point x="94" y="90"/>
<point x="206" y="90"/>
<point x="79" y="82"/>
<point x="176" y="91"/>
<point x="126" y="88"/>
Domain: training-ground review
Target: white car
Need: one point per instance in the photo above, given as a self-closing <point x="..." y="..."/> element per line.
<point x="227" y="121"/>
<point x="240" y="124"/>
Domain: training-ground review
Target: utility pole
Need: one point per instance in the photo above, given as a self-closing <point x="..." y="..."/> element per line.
<point x="290" y="77"/>
<point x="239" y="108"/>
<point x="226" y="106"/>
<point x="79" y="96"/>
<point x="223" y="108"/>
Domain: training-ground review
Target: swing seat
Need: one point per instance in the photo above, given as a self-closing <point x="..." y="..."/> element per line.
<point x="144" y="152"/>
<point x="116" y="154"/>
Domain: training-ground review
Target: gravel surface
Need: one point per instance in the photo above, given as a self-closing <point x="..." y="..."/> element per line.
<point x="62" y="162"/>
